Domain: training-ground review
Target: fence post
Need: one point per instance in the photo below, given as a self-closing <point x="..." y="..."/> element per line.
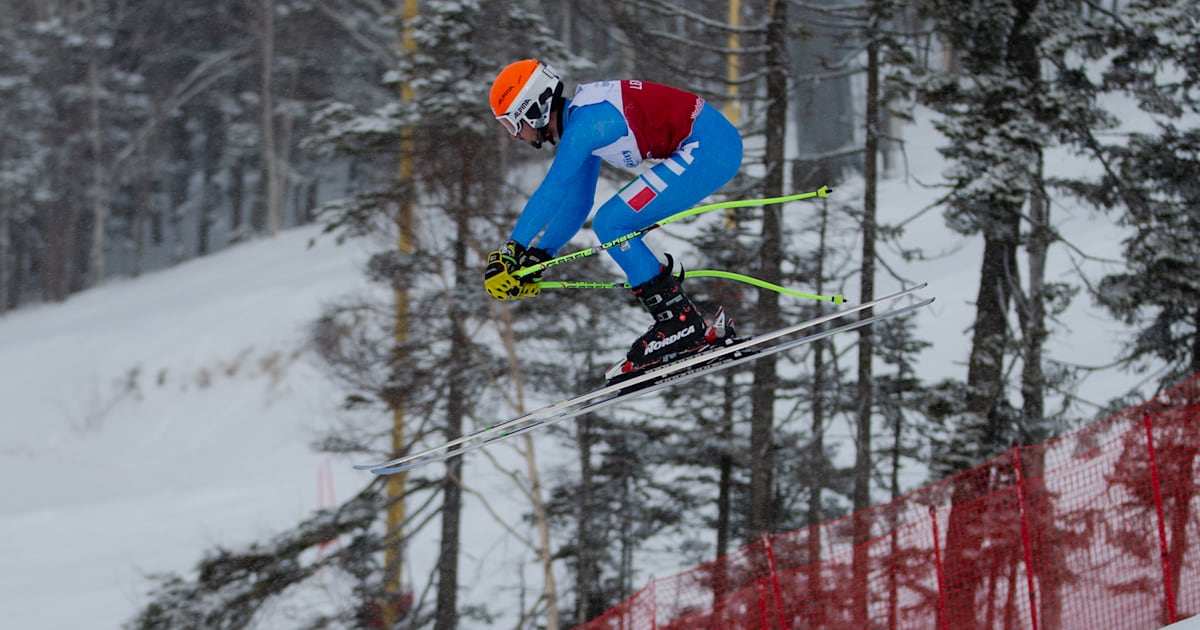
<point x="775" y="589"/>
<point x="1163" y="551"/>
<point x="720" y="592"/>
<point x="1026" y="546"/>
<point x="762" y="604"/>
<point x="937" y="563"/>
<point x="654" y="603"/>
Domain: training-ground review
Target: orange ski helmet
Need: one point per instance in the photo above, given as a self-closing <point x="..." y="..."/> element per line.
<point x="524" y="92"/>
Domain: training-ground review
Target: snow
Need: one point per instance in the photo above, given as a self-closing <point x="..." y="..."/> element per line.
<point x="149" y="420"/>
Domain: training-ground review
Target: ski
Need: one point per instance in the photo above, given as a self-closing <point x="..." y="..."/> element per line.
<point x="672" y="373"/>
<point x="524" y="424"/>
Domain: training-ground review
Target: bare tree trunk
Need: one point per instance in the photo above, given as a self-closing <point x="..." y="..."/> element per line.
<point x="565" y="24"/>
<point x="446" y="615"/>
<point x="139" y="213"/>
<point x="985" y="386"/>
<point x="1182" y="492"/>
<point x="237" y="199"/>
<point x="1032" y="313"/>
<point x="816" y="451"/>
<point x="1032" y="316"/>
<point x="397" y="485"/>
<point x="180" y="182"/>
<point x="542" y="522"/>
<point x="762" y="419"/>
<point x="6" y="277"/>
<point x="57" y="223"/>
<point x="988" y="430"/>
<point x="1195" y="365"/>
<point x="210" y="158"/>
<point x="96" y="258"/>
<point x="863" y="464"/>
<point x="725" y="484"/>
<point x="724" y="496"/>
<point x="541" y="519"/>
<point x="587" y="573"/>
<point x="283" y="166"/>
<point x="590" y="539"/>
<point x="271" y="175"/>
<point x="21" y="253"/>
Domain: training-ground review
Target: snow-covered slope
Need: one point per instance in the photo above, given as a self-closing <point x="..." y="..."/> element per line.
<point x="145" y="421"/>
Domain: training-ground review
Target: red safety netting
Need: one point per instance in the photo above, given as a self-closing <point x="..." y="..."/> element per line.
<point x="1095" y="529"/>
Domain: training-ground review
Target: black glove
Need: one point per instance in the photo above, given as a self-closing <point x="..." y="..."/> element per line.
<point x="533" y="256"/>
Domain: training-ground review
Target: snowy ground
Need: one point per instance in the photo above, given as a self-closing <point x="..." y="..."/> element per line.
<point x="146" y="421"/>
<point x="149" y="420"/>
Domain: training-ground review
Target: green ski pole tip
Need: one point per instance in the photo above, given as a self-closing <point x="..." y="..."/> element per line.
<point x="838" y="299"/>
<point x="824" y="192"/>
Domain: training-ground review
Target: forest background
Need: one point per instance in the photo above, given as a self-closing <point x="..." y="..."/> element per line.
<point x="136" y="137"/>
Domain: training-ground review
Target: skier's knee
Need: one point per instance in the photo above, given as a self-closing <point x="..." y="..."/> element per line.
<point x="606" y="223"/>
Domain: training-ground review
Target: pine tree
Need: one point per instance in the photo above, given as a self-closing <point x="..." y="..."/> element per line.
<point x="139" y="131"/>
<point x="461" y="186"/>
<point x="1152" y="176"/>
<point x="761" y="519"/>
<point x="1022" y="87"/>
<point x="21" y="149"/>
<point x="231" y="586"/>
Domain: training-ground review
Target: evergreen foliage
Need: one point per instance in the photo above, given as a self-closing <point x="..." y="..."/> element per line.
<point x="1015" y="89"/>
<point x="1152" y="176"/>
<point x="232" y="587"/>
<point x="134" y="138"/>
<point x="676" y="478"/>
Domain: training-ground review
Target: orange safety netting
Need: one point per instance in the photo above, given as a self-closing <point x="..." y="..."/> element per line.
<point x="1095" y="529"/>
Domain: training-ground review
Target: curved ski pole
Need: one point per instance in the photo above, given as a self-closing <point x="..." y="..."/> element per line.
<point x="702" y="273"/>
<point x="739" y="203"/>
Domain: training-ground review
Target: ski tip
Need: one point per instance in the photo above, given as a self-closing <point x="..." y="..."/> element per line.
<point x="389" y="470"/>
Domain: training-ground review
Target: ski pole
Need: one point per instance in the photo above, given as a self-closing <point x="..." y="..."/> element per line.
<point x="701" y="273"/>
<point x="739" y="203"/>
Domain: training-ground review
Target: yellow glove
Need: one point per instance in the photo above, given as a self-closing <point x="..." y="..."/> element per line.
<point x="497" y="276"/>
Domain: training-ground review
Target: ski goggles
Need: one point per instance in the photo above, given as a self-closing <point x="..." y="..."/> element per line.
<point x="513" y="121"/>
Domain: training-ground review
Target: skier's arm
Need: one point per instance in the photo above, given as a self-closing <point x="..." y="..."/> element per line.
<point x="562" y="202"/>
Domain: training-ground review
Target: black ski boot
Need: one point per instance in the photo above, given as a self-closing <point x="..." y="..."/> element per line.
<point x="678" y="328"/>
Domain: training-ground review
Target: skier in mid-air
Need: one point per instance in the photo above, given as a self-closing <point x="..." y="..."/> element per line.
<point x="622" y="123"/>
